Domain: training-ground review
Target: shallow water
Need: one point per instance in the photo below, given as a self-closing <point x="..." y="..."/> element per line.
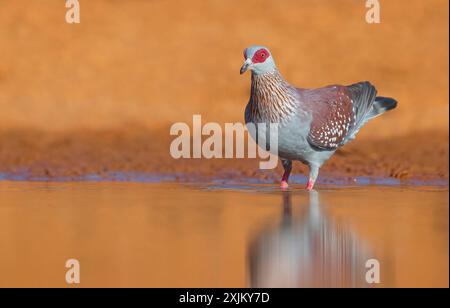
<point x="222" y="235"/>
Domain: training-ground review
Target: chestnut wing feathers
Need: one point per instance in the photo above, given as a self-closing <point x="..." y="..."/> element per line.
<point x="338" y="112"/>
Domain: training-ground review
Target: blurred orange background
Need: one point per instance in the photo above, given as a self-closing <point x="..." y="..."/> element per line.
<point x="100" y="96"/>
<point x="153" y="63"/>
<point x="94" y="102"/>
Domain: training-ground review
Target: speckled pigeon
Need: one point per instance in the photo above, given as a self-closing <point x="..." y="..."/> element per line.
<point x="312" y="123"/>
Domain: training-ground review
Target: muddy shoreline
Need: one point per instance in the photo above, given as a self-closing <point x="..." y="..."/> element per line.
<point x="31" y="154"/>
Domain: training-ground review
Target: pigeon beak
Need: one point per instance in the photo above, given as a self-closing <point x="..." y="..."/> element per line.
<point x="245" y="66"/>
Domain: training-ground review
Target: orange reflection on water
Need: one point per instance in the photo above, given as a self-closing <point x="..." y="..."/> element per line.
<point x="169" y="235"/>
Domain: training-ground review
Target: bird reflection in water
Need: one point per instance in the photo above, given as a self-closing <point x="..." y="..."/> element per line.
<point x="307" y="249"/>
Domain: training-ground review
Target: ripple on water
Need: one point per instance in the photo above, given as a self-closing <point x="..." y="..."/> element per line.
<point x="228" y="182"/>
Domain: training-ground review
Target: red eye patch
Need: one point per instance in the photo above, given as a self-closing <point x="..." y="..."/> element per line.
<point x="260" y="56"/>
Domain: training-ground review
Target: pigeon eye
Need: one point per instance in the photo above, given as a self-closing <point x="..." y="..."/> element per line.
<point x="260" y="56"/>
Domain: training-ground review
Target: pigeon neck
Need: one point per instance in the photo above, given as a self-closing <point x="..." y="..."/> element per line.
<point x="272" y="98"/>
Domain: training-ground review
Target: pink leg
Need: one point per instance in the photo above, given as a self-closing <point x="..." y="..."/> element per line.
<point x="287" y="165"/>
<point x="313" y="173"/>
<point x="284" y="180"/>
<point x="310" y="185"/>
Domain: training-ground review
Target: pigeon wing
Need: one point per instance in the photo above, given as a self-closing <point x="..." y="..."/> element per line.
<point x="337" y="113"/>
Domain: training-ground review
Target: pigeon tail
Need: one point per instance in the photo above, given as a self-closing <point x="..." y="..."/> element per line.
<point x="367" y="105"/>
<point x="380" y="106"/>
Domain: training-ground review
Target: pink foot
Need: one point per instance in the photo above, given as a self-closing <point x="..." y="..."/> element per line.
<point x="310" y="185"/>
<point x="284" y="185"/>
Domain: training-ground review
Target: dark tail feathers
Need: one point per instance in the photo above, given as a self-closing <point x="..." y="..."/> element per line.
<point x="381" y="105"/>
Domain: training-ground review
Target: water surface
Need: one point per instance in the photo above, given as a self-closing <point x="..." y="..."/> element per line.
<point x="174" y="235"/>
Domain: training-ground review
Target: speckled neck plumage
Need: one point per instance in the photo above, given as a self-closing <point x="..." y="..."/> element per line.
<point x="272" y="99"/>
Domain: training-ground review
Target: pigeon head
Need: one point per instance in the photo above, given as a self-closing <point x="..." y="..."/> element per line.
<point x="258" y="59"/>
